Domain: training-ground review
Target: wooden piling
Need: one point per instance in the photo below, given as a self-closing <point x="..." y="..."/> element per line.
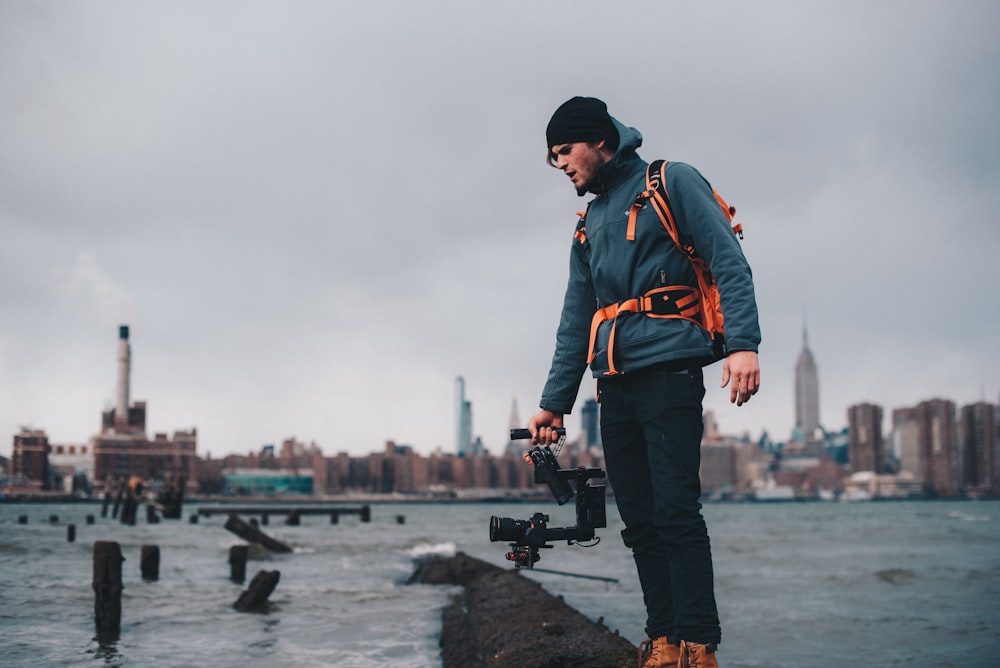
<point x="22" y="519"/>
<point x="366" y="513"/>
<point x="334" y="517"/>
<point x="193" y="519"/>
<point x="255" y="597"/>
<point x="293" y="519"/>
<point x="90" y="519"/>
<point x="171" y="499"/>
<point x="106" y="502"/>
<point x="238" y="563"/>
<point x="53" y="519"/>
<point x="400" y="519"/>
<point x="119" y="497"/>
<point x="129" y="507"/>
<point x="70" y="533"/>
<point x="107" y="584"/>
<point x="149" y="563"/>
<point x="151" y="516"/>
<point x="248" y="533"/>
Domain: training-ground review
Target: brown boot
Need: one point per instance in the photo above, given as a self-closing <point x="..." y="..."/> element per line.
<point x="658" y="653"/>
<point x="695" y="655"/>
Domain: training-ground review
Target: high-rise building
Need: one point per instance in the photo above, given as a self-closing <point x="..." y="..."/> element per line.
<point x="938" y="446"/>
<point x="865" y="449"/>
<point x="590" y="440"/>
<point x="978" y="433"/>
<point x="30" y="458"/>
<point x="906" y="442"/>
<point x="463" y="409"/>
<point x="806" y="392"/>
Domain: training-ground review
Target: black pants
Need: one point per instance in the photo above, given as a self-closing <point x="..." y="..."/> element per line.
<point x="651" y="425"/>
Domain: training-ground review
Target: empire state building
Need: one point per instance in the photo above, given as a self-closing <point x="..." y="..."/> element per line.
<point x="806" y="392"/>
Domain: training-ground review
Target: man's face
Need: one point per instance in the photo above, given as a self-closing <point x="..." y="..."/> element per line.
<point x="580" y="161"/>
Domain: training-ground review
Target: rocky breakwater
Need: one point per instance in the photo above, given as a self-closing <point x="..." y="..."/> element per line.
<point x="504" y="620"/>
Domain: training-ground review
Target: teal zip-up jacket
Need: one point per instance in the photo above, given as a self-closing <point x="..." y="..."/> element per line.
<point x="606" y="268"/>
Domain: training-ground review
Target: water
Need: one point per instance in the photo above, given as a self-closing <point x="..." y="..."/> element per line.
<point x="799" y="585"/>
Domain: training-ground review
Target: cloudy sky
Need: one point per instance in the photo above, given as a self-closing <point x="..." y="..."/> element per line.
<point x="316" y="215"/>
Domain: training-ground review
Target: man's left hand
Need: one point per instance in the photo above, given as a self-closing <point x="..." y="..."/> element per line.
<point x="743" y="369"/>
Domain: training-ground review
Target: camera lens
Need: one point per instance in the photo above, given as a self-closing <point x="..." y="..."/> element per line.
<point x="506" y="528"/>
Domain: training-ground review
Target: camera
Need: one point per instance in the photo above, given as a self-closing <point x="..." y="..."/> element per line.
<point x="527" y="537"/>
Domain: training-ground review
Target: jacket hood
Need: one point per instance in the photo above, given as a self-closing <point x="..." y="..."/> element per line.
<point x="629" y="139"/>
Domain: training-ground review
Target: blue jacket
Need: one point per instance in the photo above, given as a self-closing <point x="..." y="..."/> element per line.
<point x="606" y="268"/>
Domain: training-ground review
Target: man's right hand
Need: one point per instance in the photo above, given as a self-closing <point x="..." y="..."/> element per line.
<point x="542" y="427"/>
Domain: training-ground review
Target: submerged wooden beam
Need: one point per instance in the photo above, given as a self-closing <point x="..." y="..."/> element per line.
<point x="252" y="535"/>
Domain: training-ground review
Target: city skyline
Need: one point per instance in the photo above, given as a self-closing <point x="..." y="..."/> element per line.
<point x="217" y="180"/>
<point x="468" y="442"/>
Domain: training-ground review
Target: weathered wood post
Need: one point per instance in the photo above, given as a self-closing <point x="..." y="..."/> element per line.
<point x="22" y="519"/>
<point x="366" y="513"/>
<point x="293" y="519"/>
<point x="149" y="563"/>
<point x="400" y="519"/>
<point x="171" y="499"/>
<point x="253" y="522"/>
<point x="129" y="507"/>
<point x="53" y="519"/>
<point x="107" y="500"/>
<point x="193" y="519"/>
<point x="90" y="519"/>
<point x="263" y="518"/>
<point x="256" y="594"/>
<point x="238" y="563"/>
<point x="119" y="496"/>
<point x="107" y="585"/>
<point x="334" y="517"/>
<point x="70" y="533"/>
<point x="151" y="516"/>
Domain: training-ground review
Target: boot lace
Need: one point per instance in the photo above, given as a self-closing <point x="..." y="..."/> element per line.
<point x="690" y="656"/>
<point x="649" y="653"/>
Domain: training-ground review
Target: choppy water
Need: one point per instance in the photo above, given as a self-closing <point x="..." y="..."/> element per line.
<point x="799" y="585"/>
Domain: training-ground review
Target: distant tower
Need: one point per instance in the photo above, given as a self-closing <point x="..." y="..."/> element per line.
<point x="590" y="417"/>
<point x="124" y="367"/>
<point x="806" y="391"/>
<point x="463" y="409"/>
<point x="514" y="447"/>
<point x="515" y="415"/>
<point x="123" y="417"/>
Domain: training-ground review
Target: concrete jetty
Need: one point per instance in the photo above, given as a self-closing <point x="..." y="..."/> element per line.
<point x="505" y="620"/>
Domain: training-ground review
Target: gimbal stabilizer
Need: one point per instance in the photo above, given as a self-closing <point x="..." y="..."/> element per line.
<point x="528" y="536"/>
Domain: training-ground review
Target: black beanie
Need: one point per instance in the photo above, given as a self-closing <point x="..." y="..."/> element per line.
<point x="581" y="119"/>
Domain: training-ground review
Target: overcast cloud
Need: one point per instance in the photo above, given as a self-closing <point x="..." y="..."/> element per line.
<point x="315" y="215"/>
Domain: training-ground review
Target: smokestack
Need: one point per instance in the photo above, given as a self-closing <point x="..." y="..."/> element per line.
<point x="124" y="364"/>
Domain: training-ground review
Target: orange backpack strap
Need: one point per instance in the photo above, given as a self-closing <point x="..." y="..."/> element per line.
<point x="656" y="180"/>
<point x="581" y="229"/>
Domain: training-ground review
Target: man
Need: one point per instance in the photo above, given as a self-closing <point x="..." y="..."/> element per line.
<point x="649" y="367"/>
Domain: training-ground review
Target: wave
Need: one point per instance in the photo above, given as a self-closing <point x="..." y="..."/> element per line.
<point x="432" y="550"/>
